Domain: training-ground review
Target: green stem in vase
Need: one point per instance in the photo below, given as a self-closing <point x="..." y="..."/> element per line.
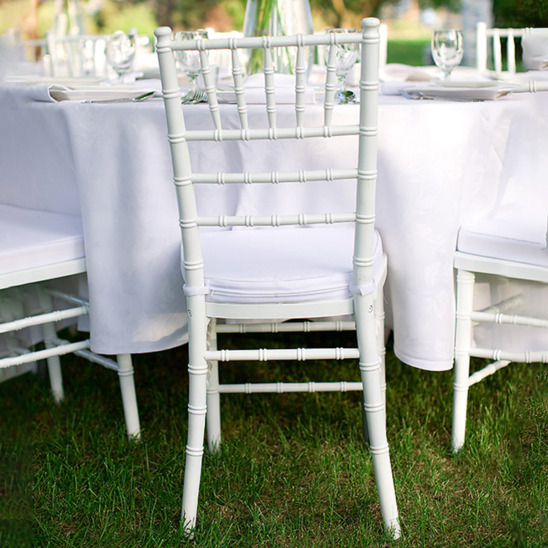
<point x="265" y="12"/>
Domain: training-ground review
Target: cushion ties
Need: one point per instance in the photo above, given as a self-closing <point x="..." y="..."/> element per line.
<point x="193" y="291"/>
<point x="363" y="289"/>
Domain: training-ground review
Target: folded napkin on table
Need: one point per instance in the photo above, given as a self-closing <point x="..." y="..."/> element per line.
<point x="44" y="92"/>
<point x="535" y="49"/>
<point x="57" y="92"/>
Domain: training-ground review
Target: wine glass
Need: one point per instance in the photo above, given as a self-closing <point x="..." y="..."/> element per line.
<point x="188" y="61"/>
<point x="345" y="58"/>
<point x="120" y="52"/>
<point x="447" y="50"/>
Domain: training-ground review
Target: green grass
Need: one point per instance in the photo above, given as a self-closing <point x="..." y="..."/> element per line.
<point x="292" y="471"/>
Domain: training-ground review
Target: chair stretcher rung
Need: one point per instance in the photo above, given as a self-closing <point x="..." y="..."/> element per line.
<point x="61" y="350"/>
<point x="289" y="387"/>
<point x="523" y="357"/>
<point x="275" y="176"/>
<point x="508" y="319"/>
<point x="479" y="375"/>
<point x="285" y="327"/>
<point x="276" y="220"/>
<point x="106" y="362"/>
<point x="295" y="354"/>
<point x="40" y="319"/>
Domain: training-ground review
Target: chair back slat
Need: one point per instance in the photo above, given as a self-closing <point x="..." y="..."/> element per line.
<point x="238" y="79"/>
<point x="300" y="86"/>
<point x="269" y="87"/>
<point x="211" y="89"/>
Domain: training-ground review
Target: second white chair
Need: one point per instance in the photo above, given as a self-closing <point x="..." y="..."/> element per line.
<point x="37" y="248"/>
<point x="505" y="251"/>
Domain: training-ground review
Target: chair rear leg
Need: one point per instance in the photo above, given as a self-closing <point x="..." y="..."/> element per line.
<point x="463" y="340"/>
<point x="54" y="365"/>
<point x="129" y="397"/>
<point x="370" y="368"/>
<point x="213" y="417"/>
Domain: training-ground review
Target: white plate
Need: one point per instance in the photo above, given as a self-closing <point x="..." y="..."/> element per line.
<point x="457" y="93"/>
<point x="95" y="94"/>
<point x="468" y="83"/>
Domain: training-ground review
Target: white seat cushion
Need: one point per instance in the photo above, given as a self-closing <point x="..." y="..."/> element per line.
<point x="281" y="265"/>
<point x="522" y="240"/>
<point x="32" y="239"/>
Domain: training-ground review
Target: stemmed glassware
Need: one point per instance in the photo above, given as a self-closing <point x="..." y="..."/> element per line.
<point x="447" y="50"/>
<point x="120" y="52"/>
<point x="188" y="61"/>
<point x="346" y="57"/>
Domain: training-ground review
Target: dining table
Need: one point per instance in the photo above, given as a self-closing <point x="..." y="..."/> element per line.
<point x="441" y="164"/>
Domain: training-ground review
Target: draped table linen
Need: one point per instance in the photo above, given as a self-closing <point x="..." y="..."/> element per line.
<point x="441" y="164"/>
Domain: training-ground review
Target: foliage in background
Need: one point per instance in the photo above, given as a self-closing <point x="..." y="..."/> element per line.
<point x="521" y="13"/>
<point x="109" y="15"/>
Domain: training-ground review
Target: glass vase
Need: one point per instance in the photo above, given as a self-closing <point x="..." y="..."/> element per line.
<point x="277" y="18"/>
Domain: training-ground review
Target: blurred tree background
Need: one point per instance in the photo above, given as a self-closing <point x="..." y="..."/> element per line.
<point x="104" y="16"/>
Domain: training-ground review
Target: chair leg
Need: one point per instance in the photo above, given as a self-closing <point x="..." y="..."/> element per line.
<point x="463" y="340"/>
<point x="129" y="397"/>
<point x="197" y="408"/>
<point x="213" y="417"/>
<point x="54" y="365"/>
<point x="370" y="367"/>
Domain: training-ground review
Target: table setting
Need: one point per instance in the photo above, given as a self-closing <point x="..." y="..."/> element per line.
<point x="95" y="161"/>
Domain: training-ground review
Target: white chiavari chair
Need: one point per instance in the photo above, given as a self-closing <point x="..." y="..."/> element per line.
<point x="279" y="266"/>
<point x="511" y="251"/>
<point x="38" y="248"/>
<point x="76" y="55"/>
<point x="496" y="49"/>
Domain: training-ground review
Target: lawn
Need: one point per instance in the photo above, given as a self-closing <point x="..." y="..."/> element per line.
<point x="293" y="470"/>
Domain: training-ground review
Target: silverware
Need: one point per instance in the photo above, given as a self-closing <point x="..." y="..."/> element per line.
<point x="136" y="99"/>
<point x="194" y="96"/>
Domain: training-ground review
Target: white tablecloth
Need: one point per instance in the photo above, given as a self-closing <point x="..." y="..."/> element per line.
<point x="440" y="164"/>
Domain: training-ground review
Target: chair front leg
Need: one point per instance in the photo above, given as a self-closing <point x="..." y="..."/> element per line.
<point x="197" y="409"/>
<point x="370" y="368"/>
<point x="463" y="340"/>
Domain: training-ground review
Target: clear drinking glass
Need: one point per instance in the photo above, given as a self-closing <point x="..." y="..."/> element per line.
<point x="188" y="61"/>
<point x="447" y="50"/>
<point x="346" y="57"/>
<point x="120" y="52"/>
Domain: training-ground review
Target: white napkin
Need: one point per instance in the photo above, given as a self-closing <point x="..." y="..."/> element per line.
<point x="535" y="49"/>
<point x="55" y="92"/>
<point x="43" y="92"/>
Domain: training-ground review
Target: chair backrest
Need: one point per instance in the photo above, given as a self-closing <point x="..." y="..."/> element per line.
<point x="490" y="41"/>
<point x="76" y="55"/>
<point x="297" y="129"/>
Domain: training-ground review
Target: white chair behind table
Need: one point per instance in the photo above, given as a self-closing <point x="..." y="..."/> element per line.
<point x="512" y="250"/>
<point x="75" y="55"/>
<point x="39" y="249"/>
<point x="229" y="272"/>
<point x="490" y="47"/>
